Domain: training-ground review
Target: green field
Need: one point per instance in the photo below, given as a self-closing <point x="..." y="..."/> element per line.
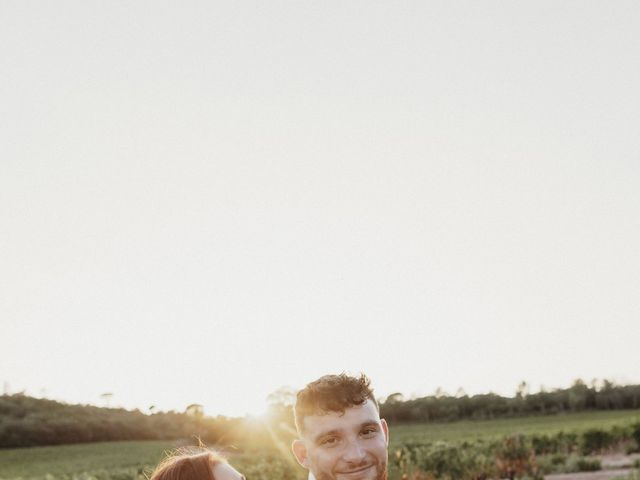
<point x="130" y="460"/>
<point x="469" y="430"/>
<point x="125" y="461"/>
<point x="74" y="459"/>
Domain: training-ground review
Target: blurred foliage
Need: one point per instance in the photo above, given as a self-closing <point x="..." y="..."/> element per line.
<point x="579" y="397"/>
<point x="511" y="456"/>
<point x="588" y="464"/>
<point x="26" y="421"/>
<point x="632" y="475"/>
<point x="516" y="458"/>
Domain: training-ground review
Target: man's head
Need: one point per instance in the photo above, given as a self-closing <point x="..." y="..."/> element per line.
<point x="341" y="434"/>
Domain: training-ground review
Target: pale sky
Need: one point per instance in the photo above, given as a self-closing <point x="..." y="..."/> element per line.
<point x="205" y="201"/>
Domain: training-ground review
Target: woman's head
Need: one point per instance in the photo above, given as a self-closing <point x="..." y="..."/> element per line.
<point x="202" y="465"/>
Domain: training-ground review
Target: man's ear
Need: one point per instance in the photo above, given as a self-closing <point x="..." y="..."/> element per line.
<point x="300" y="451"/>
<point x="385" y="429"/>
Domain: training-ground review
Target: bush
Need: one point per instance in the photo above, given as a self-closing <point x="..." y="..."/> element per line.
<point x="552" y="463"/>
<point x="542" y="444"/>
<point x="445" y="461"/>
<point x="633" y="447"/>
<point x="635" y="433"/>
<point x="588" y="464"/>
<point x="596" y="440"/>
<point x="515" y="458"/>
<point x="560" y="442"/>
<point x="633" y="475"/>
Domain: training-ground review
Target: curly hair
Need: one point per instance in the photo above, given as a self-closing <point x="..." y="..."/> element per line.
<point x="332" y="393"/>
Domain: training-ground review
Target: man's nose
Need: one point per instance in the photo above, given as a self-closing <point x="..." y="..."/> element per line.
<point x="354" y="452"/>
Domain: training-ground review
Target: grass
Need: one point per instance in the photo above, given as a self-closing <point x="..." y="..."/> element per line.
<point x="125" y="461"/>
<point x="632" y="475"/>
<point x="72" y="459"/>
<point x="470" y="430"/>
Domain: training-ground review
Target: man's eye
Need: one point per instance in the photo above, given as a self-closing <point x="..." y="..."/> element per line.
<point x="329" y="441"/>
<point x="369" y="432"/>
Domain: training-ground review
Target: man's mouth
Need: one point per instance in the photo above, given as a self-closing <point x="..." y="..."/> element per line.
<point x="356" y="471"/>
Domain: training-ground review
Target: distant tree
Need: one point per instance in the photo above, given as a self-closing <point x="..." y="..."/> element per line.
<point x="106" y="398"/>
<point x="460" y="392"/>
<point x="280" y="408"/>
<point x="195" y="410"/>
<point x="440" y="393"/>
<point x="522" y="390"/>
<point x="284" y="396"/>
<point x="394" y="398"/>
<point x="577" y="395"/>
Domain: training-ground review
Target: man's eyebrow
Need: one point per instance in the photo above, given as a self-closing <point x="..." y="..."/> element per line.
<point x="324" y="434"/>
<point x="369" y="423"/>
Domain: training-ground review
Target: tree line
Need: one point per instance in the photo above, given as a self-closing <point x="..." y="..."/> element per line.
<point x="27" y="421"/>
<point x="577" y="398"/>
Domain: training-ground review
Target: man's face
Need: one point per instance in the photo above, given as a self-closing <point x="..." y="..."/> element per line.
<point x="349" y="446"/>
